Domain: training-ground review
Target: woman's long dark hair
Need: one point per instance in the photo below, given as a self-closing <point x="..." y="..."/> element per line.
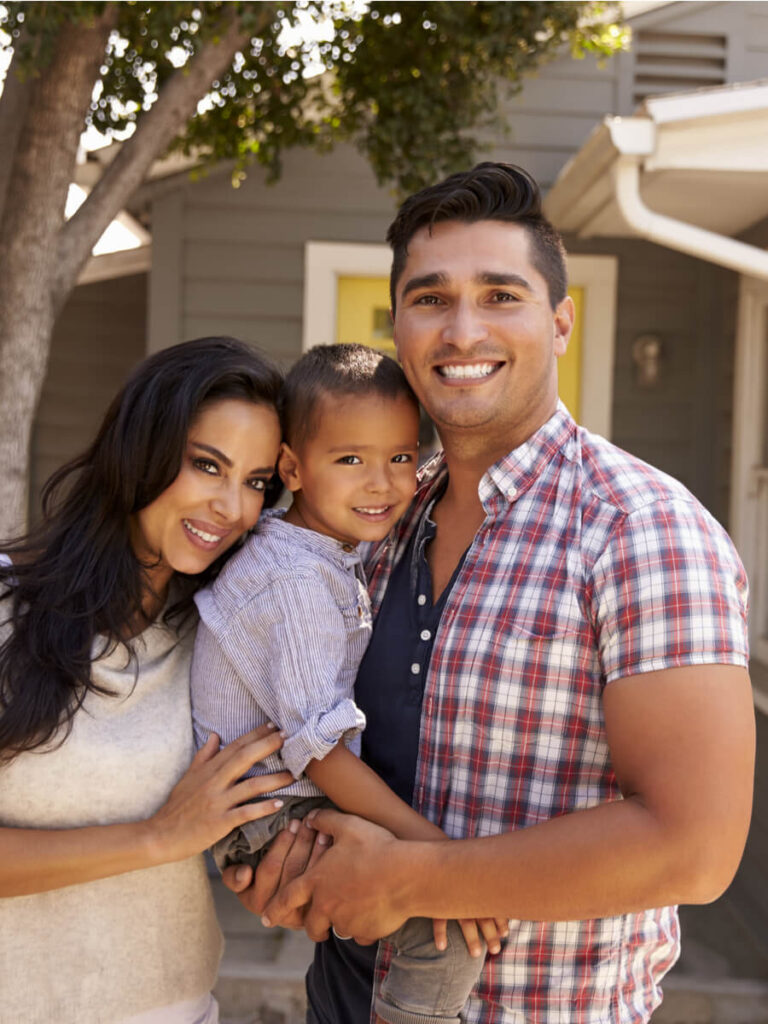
<point x="75" y="576"/>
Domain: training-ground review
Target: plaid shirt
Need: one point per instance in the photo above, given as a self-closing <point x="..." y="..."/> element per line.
<point x="590" y="566"/>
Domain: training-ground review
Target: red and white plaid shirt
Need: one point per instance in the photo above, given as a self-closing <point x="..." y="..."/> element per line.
<point x="590" y="566"/>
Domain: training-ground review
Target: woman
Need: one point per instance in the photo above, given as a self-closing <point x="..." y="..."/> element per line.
<point x="105" y="909"/>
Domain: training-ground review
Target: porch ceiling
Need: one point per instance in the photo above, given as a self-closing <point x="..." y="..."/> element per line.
<point x="701" y="157"/>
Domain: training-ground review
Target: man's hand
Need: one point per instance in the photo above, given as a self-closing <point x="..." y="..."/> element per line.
<point x="350" y="887"/>
<point x="291" y="853"/>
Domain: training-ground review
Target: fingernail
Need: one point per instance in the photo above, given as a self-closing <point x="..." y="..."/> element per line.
<point x="277" y="804"/>
<point x="322" y="839"/>
<point x="265" y="921"/>
<point x="241" y="874"/>
<point x="441" y="945"/>
<point x="294" y="826"/>
<point x="494" y="948"/>
<point x="311" y="816"/>
<point x="271" y="725"/>
<point x="283" y="734"/>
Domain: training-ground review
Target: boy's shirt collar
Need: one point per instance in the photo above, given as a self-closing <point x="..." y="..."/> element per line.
<point x="346" y="555"/>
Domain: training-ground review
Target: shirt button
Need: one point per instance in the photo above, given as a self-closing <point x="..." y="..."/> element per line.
<point x="512" y="492"/>
<point x="415" y="668"/>
<point x="425" y="634"/>
<point x="347" y="547"/>
<point x="421" y="599"/>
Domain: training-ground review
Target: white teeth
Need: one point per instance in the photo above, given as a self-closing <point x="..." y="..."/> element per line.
<point x="211" y="538"/>
<point x="372" y="511"/>
<point x="467" y="371"/>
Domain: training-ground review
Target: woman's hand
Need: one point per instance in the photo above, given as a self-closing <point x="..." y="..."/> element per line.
<point x="212" y="798"/>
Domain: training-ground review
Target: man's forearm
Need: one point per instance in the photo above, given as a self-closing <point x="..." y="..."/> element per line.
<point x="608" y="860"/>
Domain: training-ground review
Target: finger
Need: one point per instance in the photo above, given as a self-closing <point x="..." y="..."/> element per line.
<point x="299" y="855"/>
<point x="471" y="937"/>
<point x="317" y="925"/>
<point x="292" y="897"/>
<point x="319" y="847"/>
<point x="243" y="813"/>
<point x="256" y="786"/>
<point x="208" y="749"/>
<point x="327" y="821"/>
<point x="237" y="877"/>
<point x="490" y="932"/>
<point x="237" y="757"/>
<point x="270" y="869"/>
<point x="440" y="932"/>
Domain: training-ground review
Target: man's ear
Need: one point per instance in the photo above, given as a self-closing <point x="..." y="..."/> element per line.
<point x="288" y="468"/>
<point x="564" y="318"/>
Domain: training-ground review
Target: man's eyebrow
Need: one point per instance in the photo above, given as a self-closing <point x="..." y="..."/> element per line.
<point x="504" y="280"/>
<point x="435" y="280"/>
<point x="269" y="470"/>
<point x="440" y="280"/>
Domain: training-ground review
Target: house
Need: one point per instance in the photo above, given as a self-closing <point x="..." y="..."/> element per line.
<point x="670" y="359"/>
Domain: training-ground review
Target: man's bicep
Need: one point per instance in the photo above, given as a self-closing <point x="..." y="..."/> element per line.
<point x="682" y="744"/>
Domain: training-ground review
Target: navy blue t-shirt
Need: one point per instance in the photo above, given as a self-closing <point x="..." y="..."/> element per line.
<point x="389" y="689"/>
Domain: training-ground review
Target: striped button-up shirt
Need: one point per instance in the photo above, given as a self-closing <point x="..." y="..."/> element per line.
<point x="282" y="631"/>
<point x="590" y="566"/>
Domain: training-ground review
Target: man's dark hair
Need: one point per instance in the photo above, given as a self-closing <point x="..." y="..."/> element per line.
<point x="338" y="371"/>
<point x="490" y="191"/>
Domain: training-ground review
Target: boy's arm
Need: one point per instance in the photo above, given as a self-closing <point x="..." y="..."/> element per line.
<point x="288" y="646"/>
<point x="357" y="789"/>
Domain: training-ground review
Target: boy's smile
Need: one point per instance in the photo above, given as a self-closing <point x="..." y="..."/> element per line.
<point x="355" y="476"/>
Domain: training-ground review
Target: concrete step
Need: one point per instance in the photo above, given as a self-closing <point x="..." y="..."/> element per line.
<point x="261" y="978"/>
<point x="689" y="1000"/>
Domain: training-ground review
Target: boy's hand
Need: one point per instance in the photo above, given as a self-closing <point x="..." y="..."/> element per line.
<point x="491" y="929"/>
<point x="292" y="851"/>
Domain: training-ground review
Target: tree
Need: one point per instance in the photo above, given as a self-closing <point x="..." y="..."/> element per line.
<point x="405" y="81"/>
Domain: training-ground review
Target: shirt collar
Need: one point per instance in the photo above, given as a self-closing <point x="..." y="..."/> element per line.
<point x="515" y="473"/>
<point x="517" y="470"/>
<point x="345" y="555"/>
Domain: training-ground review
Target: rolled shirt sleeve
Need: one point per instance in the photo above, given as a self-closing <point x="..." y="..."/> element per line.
<point x="290" y="645"/>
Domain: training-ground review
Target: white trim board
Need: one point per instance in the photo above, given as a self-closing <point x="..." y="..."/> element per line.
<point x="325" y="262"/>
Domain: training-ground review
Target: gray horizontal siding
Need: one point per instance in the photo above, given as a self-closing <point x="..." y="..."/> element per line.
<point x="99" y="336"/>
<point x="682" y="425"/>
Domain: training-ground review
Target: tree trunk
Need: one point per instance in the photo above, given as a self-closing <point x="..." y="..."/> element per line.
<point x="42" y="169"/>
<point x="37" y="278"/>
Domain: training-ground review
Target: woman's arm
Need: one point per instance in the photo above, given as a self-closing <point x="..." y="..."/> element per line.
<point x="206" y="804"/>
<point x="357" y="789"/>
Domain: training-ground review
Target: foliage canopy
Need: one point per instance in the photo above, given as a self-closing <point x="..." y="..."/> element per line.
<point x="415" y="85"/>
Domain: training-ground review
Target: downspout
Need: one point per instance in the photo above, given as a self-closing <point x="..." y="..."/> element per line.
<point x="677" y="234"/>
<point x="687" y="238"/>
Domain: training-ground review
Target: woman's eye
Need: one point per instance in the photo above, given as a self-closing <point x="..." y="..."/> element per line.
<point x="257" y="484"/>
<point x="206" y="466"/>
<point x="349" y="460"/>
<point x="403" y="457"/>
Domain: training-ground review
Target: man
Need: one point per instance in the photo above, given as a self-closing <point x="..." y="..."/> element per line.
<point x="558" y="672"/>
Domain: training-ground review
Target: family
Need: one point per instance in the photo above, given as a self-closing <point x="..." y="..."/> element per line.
<point x="476" y="727"/>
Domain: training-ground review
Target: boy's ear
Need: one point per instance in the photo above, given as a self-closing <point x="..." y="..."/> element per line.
<point x="288" y="468"/>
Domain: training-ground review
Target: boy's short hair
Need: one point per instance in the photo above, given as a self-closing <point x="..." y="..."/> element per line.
<point x="490" y="191"/>
<point x="340" y="371"/>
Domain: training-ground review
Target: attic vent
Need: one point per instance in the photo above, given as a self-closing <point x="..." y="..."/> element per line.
<point x="676" y="61"/>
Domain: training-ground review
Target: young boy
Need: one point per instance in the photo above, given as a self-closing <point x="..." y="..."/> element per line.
<point x="284" y="627"/>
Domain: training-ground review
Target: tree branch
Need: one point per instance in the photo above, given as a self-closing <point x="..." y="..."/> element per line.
<point x="155" y="132"/>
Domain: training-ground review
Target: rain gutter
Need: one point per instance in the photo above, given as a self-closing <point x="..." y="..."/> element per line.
<point x="634" y="140"/>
